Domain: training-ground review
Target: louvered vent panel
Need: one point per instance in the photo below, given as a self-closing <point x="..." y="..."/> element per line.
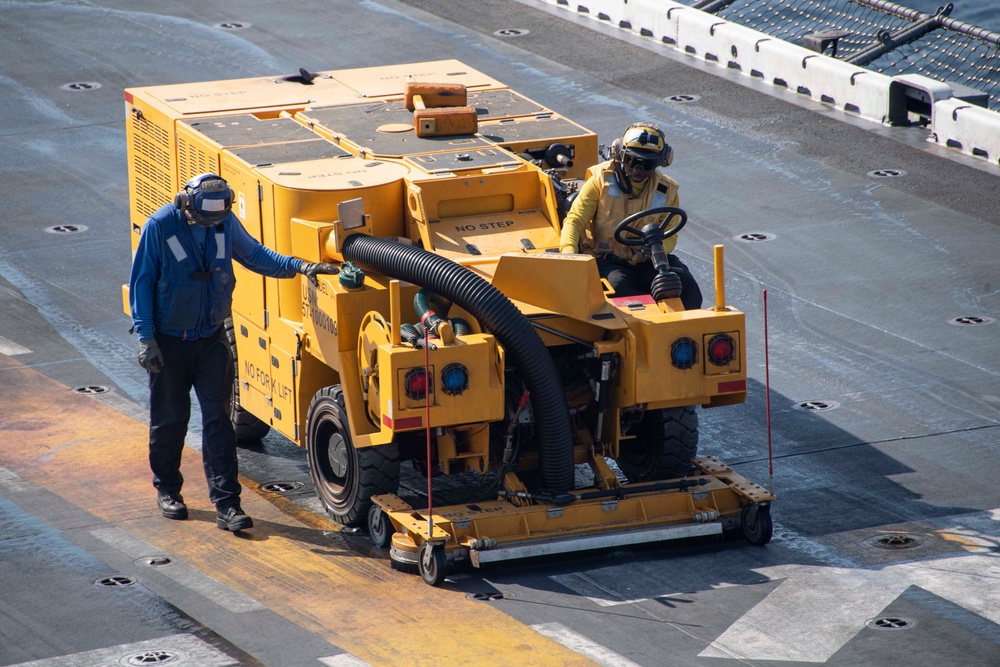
<point x="151" y="165"/>
<point x="191" y="161"/>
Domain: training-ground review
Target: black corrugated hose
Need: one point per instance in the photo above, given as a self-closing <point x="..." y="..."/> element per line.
<point x="500" y="317"/>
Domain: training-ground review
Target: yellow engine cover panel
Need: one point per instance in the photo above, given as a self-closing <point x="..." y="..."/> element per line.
<point x="255" y="94"/>
<point x="392" y="79"/>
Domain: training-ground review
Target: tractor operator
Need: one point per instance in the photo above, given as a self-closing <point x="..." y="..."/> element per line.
<point x="180" y="293"/>
<point x="629" y="182"/>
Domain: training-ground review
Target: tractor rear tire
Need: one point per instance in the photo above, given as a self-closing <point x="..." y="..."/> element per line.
<point x="663" y="449"/>
<point x="345" y="477"/>
<point x="248" y="427"/>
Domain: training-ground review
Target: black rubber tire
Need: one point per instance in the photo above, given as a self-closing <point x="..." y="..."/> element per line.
<point x="431" y="562"/>
<point x="345" y="478"/>
<point x="248" y="427"/>
<point x="663" y="449"/>
<point x="757" y="530"/>
<point x="380" y="529"/>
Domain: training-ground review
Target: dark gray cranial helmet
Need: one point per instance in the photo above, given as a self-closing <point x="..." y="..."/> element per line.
<point x="206" y="198"/>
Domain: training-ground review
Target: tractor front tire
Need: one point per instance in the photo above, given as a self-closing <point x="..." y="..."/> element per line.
<point x="345" y="477"/>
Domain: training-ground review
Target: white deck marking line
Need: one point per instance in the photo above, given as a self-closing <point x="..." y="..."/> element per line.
<point x="193" y="650"/>
<point x="13" y="482"/>
<point x="344" y="660"/>
<point x="576" y="642"/>
<point x="10" y="348"/>
<point x="817" y="610"/>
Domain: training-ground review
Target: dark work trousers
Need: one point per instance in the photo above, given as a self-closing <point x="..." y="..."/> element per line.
<point x="632" y="280"/>
<point x="206" y="365"/>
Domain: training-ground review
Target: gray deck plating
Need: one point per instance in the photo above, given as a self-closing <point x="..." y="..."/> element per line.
<point x="877" y="250"/>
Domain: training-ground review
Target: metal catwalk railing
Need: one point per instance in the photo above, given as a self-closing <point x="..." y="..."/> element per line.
<point x="880" y="36"/>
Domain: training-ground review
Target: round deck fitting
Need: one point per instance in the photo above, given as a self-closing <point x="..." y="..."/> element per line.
<point x="153" y="657"/>
<point x="280" y="487"/>
<point x="970" y="320"/>
<point x="895" y="541"/>
<point x="752" y="237"/>
<point x="891" y="623"/>
<point x="816" y="406"/>
<point x="154" y="561"/>
<point x="115" y="581"/>
<point x="682" y="98"/>
<point x="66" y="229"/>
<point x="90" y="389"/>
<point x="81" y="86"/>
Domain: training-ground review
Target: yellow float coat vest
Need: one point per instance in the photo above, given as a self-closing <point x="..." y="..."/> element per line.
<point x="613" y="206"/>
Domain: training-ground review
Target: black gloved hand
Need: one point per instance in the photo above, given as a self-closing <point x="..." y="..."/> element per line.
<point x="311" y="269"/>
<point x="149" y="355"/>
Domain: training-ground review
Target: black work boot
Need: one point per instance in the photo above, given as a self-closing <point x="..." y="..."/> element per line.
<point x="172" y="505"/>
<point x="233" y="519"/>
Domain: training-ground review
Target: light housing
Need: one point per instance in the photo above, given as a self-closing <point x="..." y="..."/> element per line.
<point x="416" y="382"/>
<point x="721" y="349"/>
<point x="454" y="379"/>
<point x="684" y="353"/>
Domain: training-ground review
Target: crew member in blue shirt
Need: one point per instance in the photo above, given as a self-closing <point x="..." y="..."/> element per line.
<point x="180" y="293"/>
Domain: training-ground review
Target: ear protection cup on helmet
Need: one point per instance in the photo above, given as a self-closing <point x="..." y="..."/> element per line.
<point x="182" y="201"/>
<point x="668" y="155"/>
<point x="616" y="149"/>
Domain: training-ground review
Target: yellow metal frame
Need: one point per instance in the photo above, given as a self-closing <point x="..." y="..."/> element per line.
<point x="500" y="529"/>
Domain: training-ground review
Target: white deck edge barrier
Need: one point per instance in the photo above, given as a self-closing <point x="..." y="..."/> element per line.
<point x="972" y="130"/>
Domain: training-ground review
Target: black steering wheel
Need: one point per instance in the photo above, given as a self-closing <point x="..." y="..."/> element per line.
<point x="628" y="235"/>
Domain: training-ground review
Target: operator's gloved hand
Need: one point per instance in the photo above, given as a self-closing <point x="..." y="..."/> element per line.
<point x="311" y="269"/>
<point x="149" y="355"/>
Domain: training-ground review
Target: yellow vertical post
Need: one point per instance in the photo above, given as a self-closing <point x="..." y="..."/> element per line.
<point x="720" y="279"/>
<point x="394" y="310"/>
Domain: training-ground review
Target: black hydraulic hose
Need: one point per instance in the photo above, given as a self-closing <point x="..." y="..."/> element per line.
<point x="499" y="316"/>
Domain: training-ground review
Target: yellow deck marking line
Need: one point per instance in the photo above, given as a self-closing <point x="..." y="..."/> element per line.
<point x="967" y="543"/>
<point x="97" y="459"/>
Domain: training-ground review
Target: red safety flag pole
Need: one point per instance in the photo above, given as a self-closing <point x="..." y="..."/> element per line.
<point x="427" y="416"/>
<point x="767" y="394"/>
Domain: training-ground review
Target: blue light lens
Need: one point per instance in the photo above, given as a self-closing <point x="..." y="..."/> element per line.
<point x="684" y="353"/>
<point x="454" y="379"/>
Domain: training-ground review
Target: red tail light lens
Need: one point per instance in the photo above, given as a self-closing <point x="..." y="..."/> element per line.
<point x="721" y="349"/>
<point x="415" y="383"/>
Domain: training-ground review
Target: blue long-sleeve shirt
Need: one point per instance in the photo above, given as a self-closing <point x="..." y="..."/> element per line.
<point x="182" y="277"/>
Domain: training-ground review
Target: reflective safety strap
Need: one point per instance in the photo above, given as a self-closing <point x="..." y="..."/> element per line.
<point x="612" y="186"/>
<point x="175" y="247"/>
<point x="659" y="199"/>
<point x="220" y="245"/>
